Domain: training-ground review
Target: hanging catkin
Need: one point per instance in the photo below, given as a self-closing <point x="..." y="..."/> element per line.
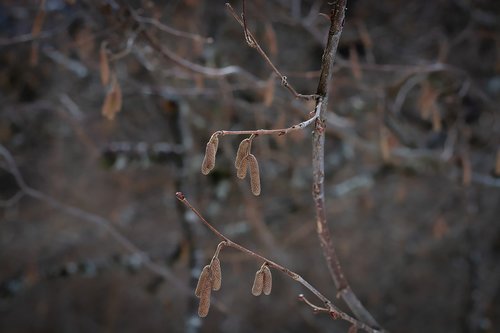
<point x="258" y="283"/>
<point x="243" y="150"/>
<point x="253" y="165"/>
<point x="268" y="280"/>
<point x="242" y="170"/>
<point x="203" y="281"/>
<point x="204" y="305"/>
<point x="210" y="152"/>
<point x="216" y="273"/>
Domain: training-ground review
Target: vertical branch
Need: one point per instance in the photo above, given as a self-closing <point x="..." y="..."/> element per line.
<point x="337" y="16"/>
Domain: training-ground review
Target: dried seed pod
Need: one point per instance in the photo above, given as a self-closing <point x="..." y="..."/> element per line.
<point x="204" y="305"/>
<point x="113" y="101"/>
<point x="268" y="280"/>
<point x="210" y="152"/>
<point x="242" y="170"/>
<point x="203" y="281"/>
<point x="258" y="283"/>
<point x="243" y="150"/>
<point x="104" y="64"/>
<point x="216" y="273"/>
<point x="254" y="174"/>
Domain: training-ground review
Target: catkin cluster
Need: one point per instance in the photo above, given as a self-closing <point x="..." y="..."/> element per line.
<point x="263" y="281"/>
<point x="245" y="162"/>
<point x="210" y="279"/>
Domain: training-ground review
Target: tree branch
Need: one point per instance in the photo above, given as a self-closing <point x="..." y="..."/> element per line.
<point x="337" y="16"/>
<point x="279" y="131"/>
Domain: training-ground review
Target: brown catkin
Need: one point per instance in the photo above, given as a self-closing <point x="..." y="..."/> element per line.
<point x="242" y="170"/>
<point x="204" y="305"/>
<point x="203" y="281"/>
<point x="216" y="273"/>
<point x="254" y="174"/>
<point x="210" y="152"/>
<point x="242" y="152"/>
<point x="258" y="283"/>
<point x="268" y="280"/>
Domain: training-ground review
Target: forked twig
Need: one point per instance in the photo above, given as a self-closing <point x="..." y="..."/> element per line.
<point x="252" y="42"/>
<point x="330" y="308"/>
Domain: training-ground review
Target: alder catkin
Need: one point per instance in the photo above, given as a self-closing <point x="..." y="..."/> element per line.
<point x="268" y="280"/>
<point x="258" y="283"/>
<point x="216" y="273"/>
<point x="242" y="152"/>
<point x="203" y="281"/>
<point x="210" y="152"/>
<point x="204" y="305"/>
<point x="242" y="170"/>
<point x="253" y="165"/>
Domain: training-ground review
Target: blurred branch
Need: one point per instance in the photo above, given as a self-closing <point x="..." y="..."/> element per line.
<point x="89" y="217"/>
<point x="173" y="31"/>
<point x="74" y="66"/>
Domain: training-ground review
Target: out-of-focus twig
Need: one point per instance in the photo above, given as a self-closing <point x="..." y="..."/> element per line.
<point x="165" y="28"/>
<point x="11" y="166"/>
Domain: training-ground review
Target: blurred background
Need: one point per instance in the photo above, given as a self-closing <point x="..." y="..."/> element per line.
<point x="106" y="108"/>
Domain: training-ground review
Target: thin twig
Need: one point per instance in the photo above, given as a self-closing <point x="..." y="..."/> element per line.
<point x="330" y="307"/>
<point x="252" y="42"/>
<point x="279" y="131"/>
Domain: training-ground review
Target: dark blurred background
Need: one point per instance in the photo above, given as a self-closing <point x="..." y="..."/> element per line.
<point x="95" y="241"/>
